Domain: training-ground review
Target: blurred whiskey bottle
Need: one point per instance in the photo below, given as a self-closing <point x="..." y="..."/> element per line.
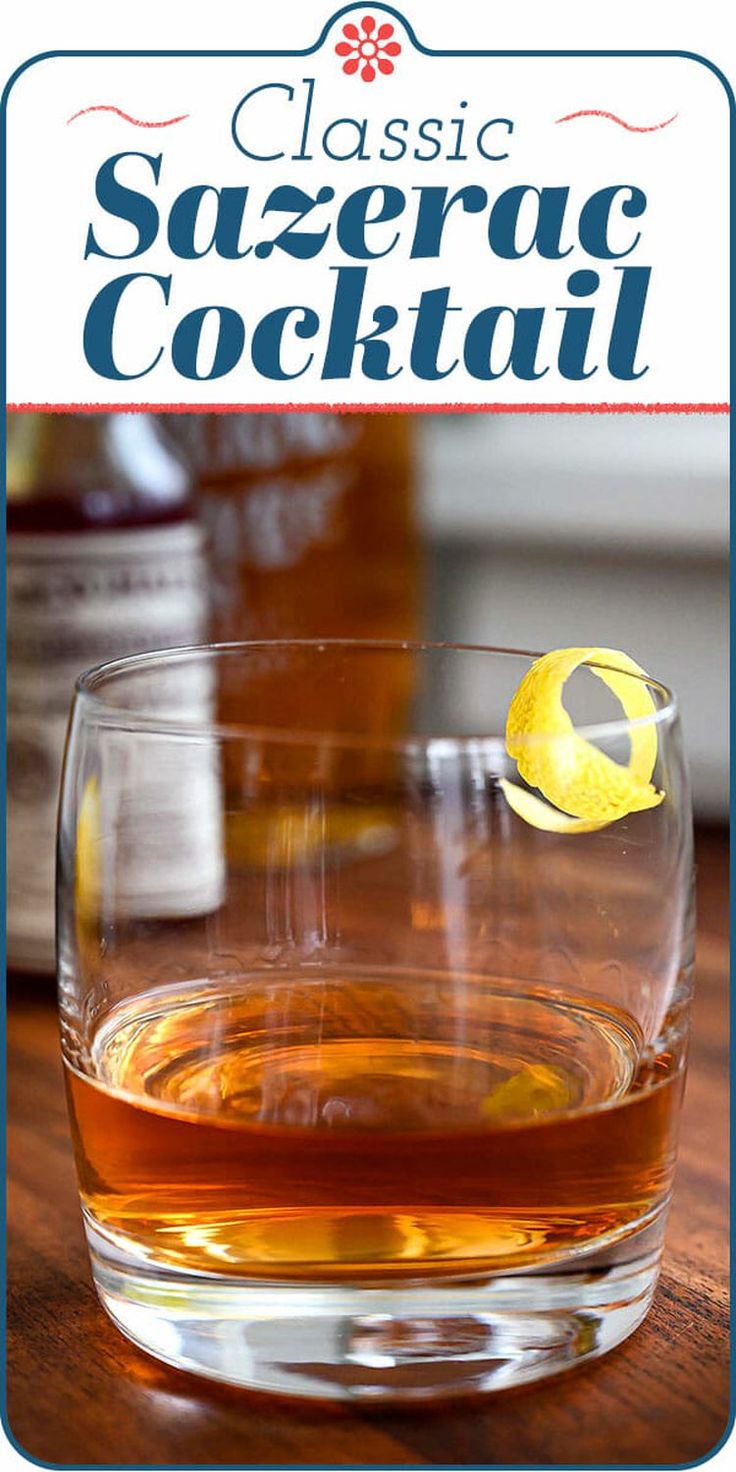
<point x="104" y="559"/>
<point x="311" y="534"/>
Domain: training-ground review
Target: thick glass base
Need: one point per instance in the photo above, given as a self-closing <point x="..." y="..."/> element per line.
<point x="419" y="1341"/>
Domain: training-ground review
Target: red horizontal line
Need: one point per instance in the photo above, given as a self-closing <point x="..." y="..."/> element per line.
<point x="339" y="408"/>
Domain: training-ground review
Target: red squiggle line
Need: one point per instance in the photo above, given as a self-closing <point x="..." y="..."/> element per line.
<point x="137" y="122"/>
<point x="594" y="112"/>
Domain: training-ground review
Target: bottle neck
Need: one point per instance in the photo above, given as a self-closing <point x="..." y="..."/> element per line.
<point x="48" y="512"/>
<point x="92" y="472"/>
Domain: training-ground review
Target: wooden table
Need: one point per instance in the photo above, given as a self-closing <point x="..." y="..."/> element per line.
<point x="79" y="1393"/>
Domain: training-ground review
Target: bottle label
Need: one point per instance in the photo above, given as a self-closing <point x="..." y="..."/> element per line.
<point x="75" y="600"/>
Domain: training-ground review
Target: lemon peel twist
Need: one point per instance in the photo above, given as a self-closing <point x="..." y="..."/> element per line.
<point x="87" y="873"/>
<point x="590" y="787"/>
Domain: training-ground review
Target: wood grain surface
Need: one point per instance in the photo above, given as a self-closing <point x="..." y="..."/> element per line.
<point x="79" y="1393"/>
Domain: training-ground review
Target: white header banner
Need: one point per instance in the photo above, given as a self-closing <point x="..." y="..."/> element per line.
<point x="368" y="222"/>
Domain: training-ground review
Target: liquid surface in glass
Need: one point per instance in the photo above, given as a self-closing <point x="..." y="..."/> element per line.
<point x="369" y="1126"/>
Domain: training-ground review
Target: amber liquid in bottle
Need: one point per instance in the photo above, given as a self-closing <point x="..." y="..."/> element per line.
<point x="364" y="1127"/>
<point x="311" y="532"/>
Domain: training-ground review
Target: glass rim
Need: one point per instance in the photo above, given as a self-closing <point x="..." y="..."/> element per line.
<point x="87" y="690"/>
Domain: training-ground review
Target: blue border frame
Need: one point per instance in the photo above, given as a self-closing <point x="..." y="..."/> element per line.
<point x="431" y="52"/>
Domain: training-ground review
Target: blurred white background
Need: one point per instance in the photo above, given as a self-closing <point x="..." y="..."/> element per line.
<point x="552" y="530"/>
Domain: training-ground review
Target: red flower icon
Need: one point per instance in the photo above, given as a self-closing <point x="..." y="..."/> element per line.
<point x="369" y="50"/>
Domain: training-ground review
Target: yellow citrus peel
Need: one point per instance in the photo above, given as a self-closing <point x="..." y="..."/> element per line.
<point x="87" y="877"/>
<point x="588" y="785"/>
<point x="537" y="1089"/>
<point x="288" y="834"/>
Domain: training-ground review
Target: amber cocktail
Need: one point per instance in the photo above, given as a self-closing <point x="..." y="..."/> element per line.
<point x="387" y="1111"/>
